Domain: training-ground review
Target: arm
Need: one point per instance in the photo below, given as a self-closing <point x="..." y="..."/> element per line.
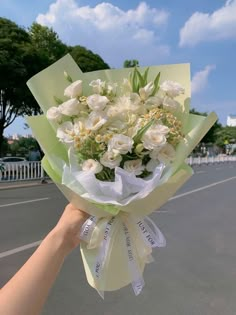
<point x="27" y="291"/>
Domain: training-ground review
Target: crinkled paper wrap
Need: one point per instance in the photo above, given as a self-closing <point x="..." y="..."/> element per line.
<point x="51" y="82"/>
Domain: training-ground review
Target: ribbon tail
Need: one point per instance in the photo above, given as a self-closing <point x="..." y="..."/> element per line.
<point x="160" y="238"/>
<point x="136" y="276"/>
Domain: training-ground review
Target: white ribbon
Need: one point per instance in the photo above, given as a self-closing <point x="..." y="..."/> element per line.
<point x="148" y="232"/>
<point x="87" y="228"/>
<point x="136" y="276"/>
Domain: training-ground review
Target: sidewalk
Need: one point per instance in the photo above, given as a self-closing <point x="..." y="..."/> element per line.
<point x="23" y="183"/>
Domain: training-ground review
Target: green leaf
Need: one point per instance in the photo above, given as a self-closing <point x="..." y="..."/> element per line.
<point x="156" y="84"/>
<point x="134" y="82"/>
<point x="140" y="78"/>
<point x="145" y="76"/>
<point x="57" y="100"/>
<point x="142" y="131"/>
<point x="68" y="77"/>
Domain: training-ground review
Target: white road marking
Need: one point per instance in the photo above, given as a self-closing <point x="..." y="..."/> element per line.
<point x="162" y="211"/>
<point x="200" y="172"/>
<point x="19" y="249"/>
<point x="22" y="202"/>
<point x="219" y="168"/>
<point x="25" y="247"/>
<point x="203" y="188"/>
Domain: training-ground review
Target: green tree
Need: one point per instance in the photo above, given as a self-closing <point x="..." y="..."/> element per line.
<point x="131" y="63"/>
<point x="15" y="49"/>
<point x="227" y="135"/>
<point x="5" y="146"/>
<point x="46" y="41"/>
<point x="23" y="146"/>
<point x="25" y="53"/>
<point x="22" y="54"/>
<point x="87" y="60"/>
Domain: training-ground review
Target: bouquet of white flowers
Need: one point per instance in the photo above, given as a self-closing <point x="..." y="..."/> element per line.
<point x="116" y="142"/>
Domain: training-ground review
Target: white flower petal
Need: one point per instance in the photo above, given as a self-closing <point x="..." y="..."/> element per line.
<point x="74" y="89"/>
<point x="95" y="120"/>
<point x="153" y="139"/>
<point x="65" y="132"/>
<point x="97" y="102"/>
<point x="110" y="159"/>
<point x="146" y="91"/>
<point x="98" y="86"/>
<point x="92" y="166"/>
<point x="151" y="165"/>
<point x="172" y="88"/>
<point x="134" y="166"/>
<point x="170" y="104"/>
<point x="70" y="107"/>
<point x="54" y="114"/>
<point x="120" y="143"/>
<point x="167" y="153"/>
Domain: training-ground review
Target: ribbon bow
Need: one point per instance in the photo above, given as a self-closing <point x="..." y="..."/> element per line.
<point x="139" y="233"/>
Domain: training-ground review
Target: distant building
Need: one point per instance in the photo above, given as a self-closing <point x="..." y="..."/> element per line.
<point x="15" y="137"/>
<point x="231" y="120"/>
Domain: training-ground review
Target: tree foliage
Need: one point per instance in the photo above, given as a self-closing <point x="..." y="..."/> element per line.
<point x="14" y="52"/>
<point x="47" y="43"/>
<point x="24" y="53"/>
<point x="131" y="63"/>
<point x="87" y="60"/>
<point x="226" y="135"/>
<point x="23" y="147"/>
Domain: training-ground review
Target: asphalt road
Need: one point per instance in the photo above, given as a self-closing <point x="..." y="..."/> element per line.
<point x="195" y="274"/>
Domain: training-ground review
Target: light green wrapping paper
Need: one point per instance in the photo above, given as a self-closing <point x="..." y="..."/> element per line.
<point x="51" y="82"/>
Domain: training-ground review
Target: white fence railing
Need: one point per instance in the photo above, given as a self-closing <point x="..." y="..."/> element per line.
<point x="25" y="171"/>
<point x="34" y="170"/>
<point x="210" y="160"/>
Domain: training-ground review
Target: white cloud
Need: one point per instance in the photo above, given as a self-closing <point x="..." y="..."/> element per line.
<point x="113" y="33"/>
<point x="200" y="79"/>
<point x="221" y="24"/>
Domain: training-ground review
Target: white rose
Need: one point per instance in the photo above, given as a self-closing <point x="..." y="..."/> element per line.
<point x="74" y="89"/>
<point x="111" y="88"/>
<point x="116" y="125"/>
<point x="153" y="140"/>
<point x="153" y="102"/>
<point x="151" y="165"/>
<point x="146" y="91"/>
<point x="170" y="104"/>
<point x="54" y="114"/>
<point x="134" y="166"/>
<point x="65" y="132"/>
<point x="120" y="143"/>
<point x="98" y="86"/>
<point x="160" y="129"/>
<point x="92" y="166"/>
<point x="70" y="107"/>
<point x="95" y="120"/>
<point x="97" y="102"/>
<point x="172" y="88"/>
<point x="167" y="153"/>
<point x="135" y="98"/>
<point x="124" y="106"/>
<point x="110" y="159"/>
<point x="154" y="153"/>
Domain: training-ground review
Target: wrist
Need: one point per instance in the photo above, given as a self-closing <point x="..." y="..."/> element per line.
<point x="60" y="241"/>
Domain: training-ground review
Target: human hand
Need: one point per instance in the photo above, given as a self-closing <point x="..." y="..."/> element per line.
<point x="69" y="226"/>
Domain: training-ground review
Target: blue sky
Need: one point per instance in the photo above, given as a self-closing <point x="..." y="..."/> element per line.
<point x="154" y="32"/>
